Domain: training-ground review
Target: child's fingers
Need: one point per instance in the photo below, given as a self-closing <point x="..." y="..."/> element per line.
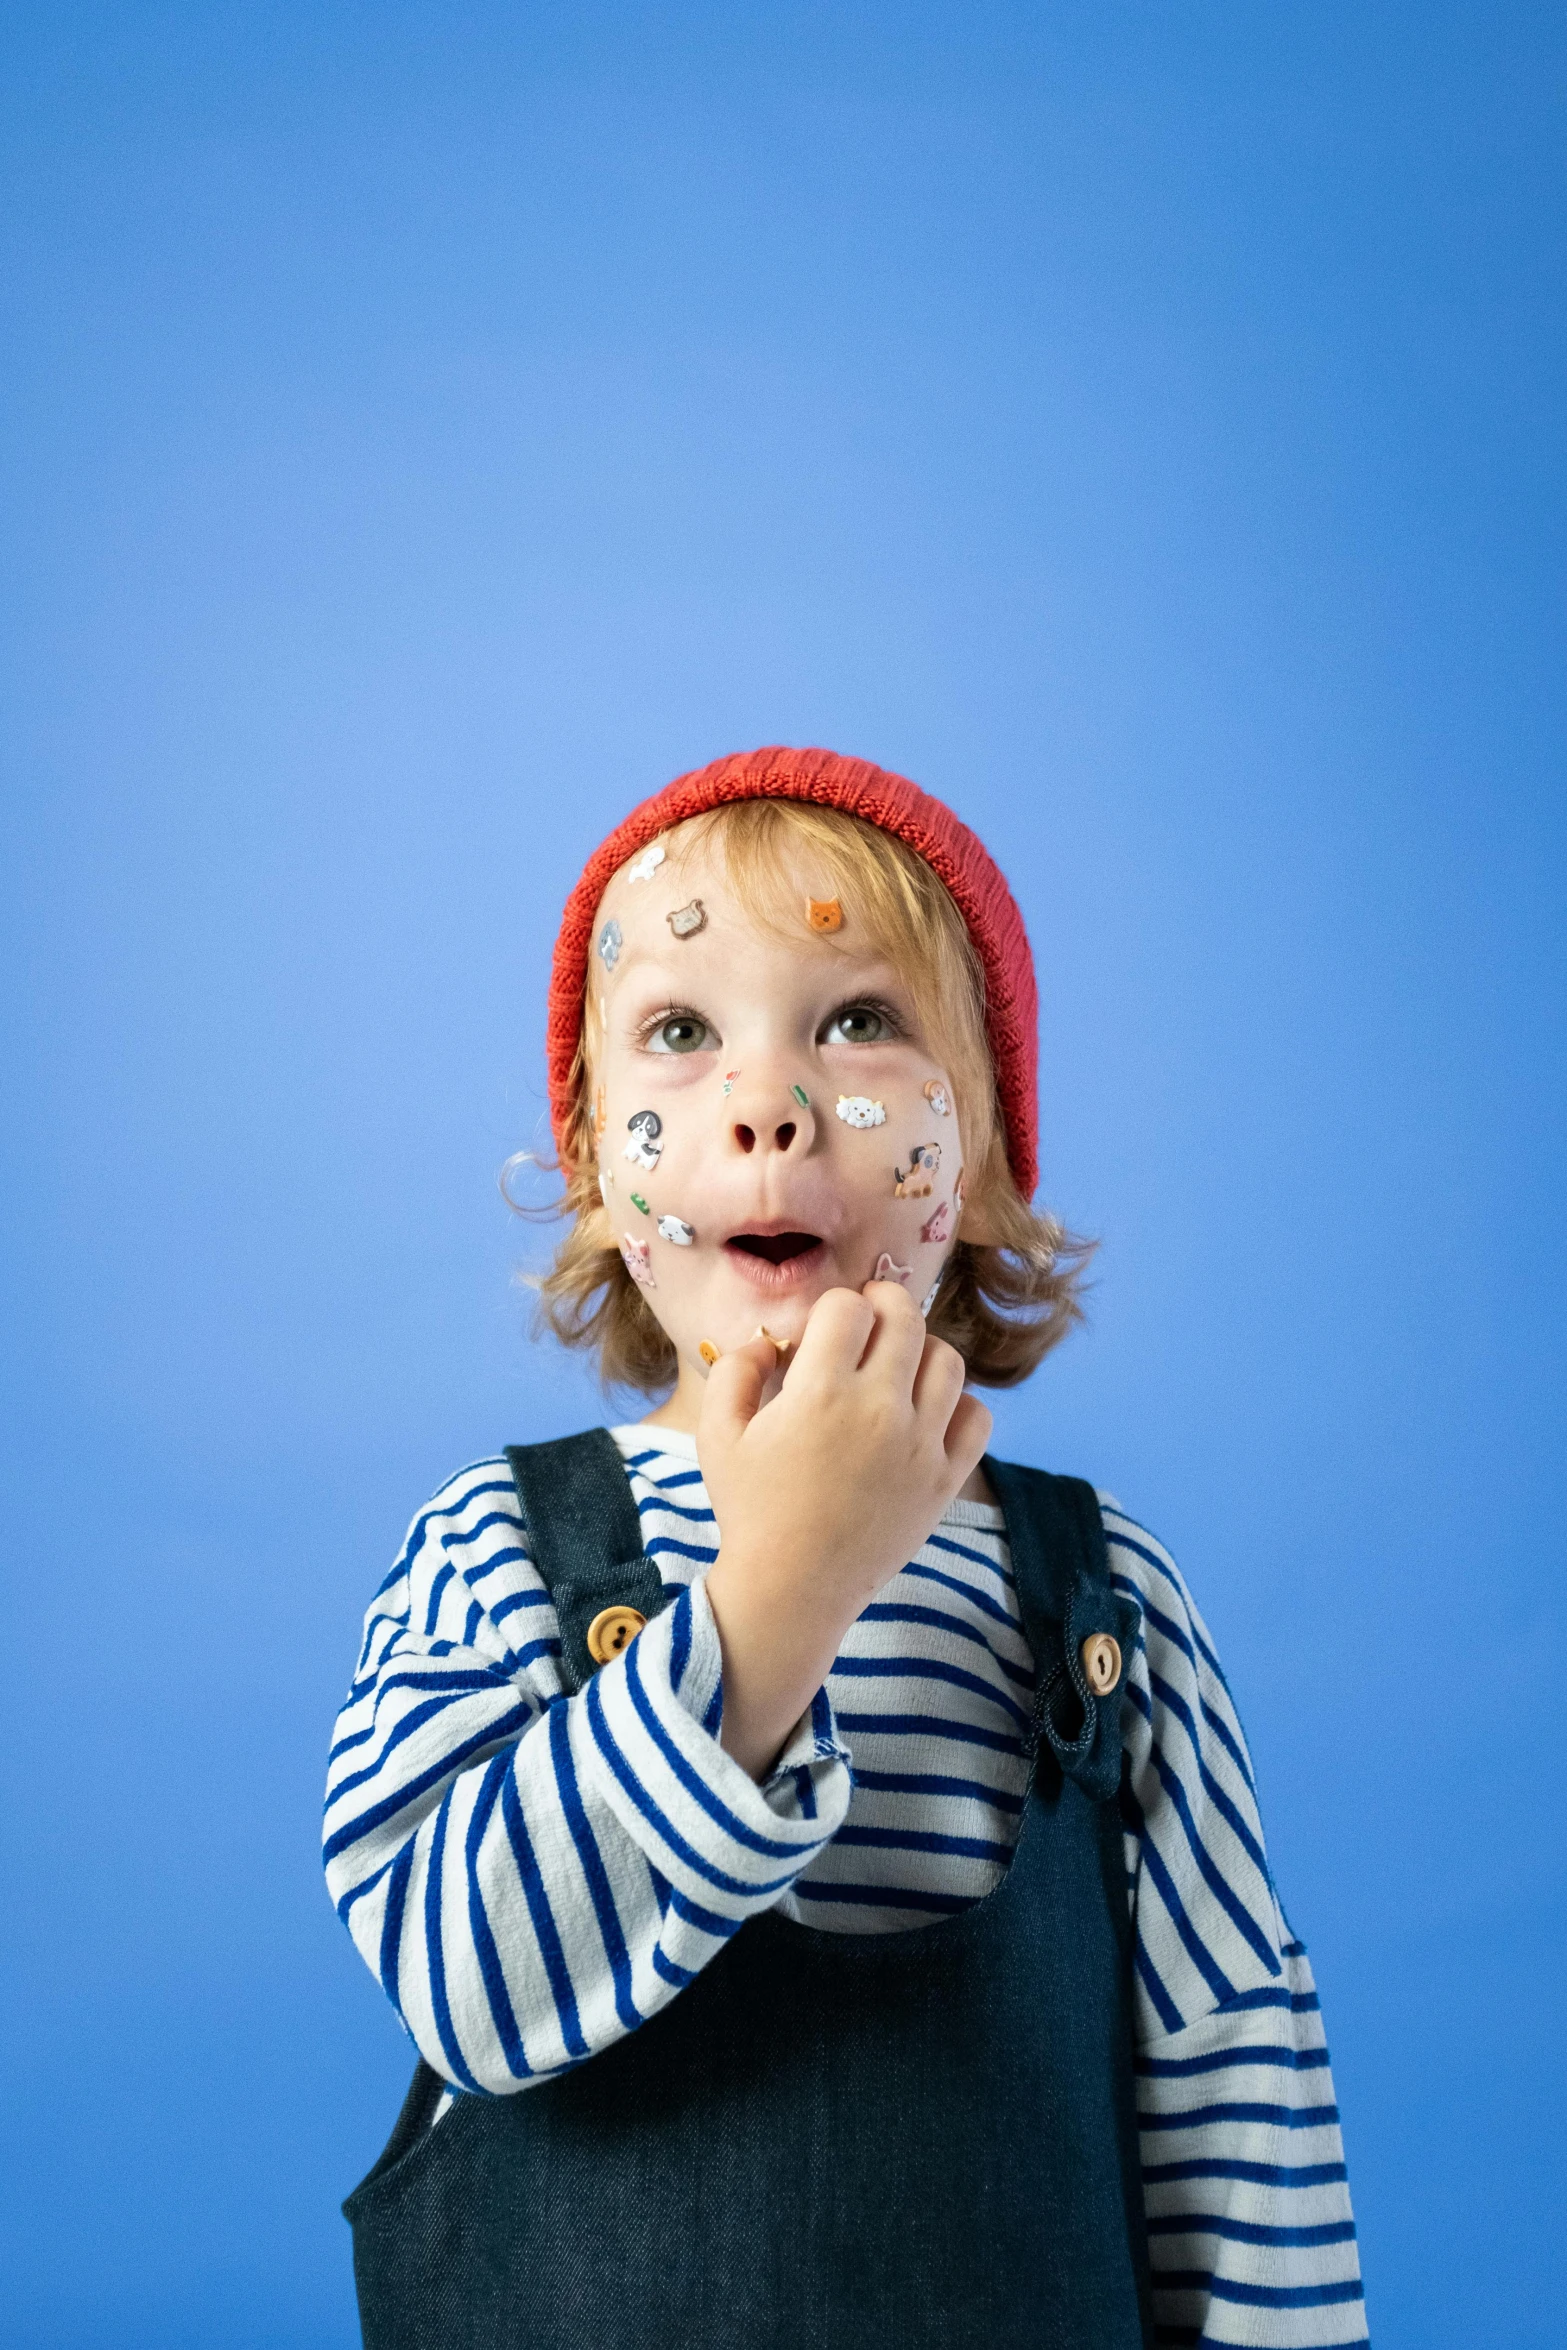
<point x="968" y="1433"/>
<point x="897" y="1339"/>
<point x="837" y="1330"/>
<point x="733" y="1392"/>
<point x="938" y="1382"/>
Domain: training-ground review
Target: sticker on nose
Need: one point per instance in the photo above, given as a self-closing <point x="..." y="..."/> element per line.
<point x="824" y="913"/>
<point x="938" y="1097"/>
<point x="644" y="867"/>
<point x="639" y="1263"/>
<point x="686" y="921"/>
<point x="645" y="1148"/>
<point x="935" y="1227"/>
<point x="919" y="1182"/>
<point x="676" y="1228"/>
<point x="611" y="940"/>
<point x="857" y="1109"/>
<point x="886" y="1270"/>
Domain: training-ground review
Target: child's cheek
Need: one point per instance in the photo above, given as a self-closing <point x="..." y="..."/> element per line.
<point x="906" y="1166"/>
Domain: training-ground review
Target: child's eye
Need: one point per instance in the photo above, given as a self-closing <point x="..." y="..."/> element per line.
<point x="682" y="1032"/>
<point x="858" y="1024"/>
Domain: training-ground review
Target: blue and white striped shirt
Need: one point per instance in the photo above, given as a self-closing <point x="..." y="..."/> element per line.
<point x="530" y="1876"/>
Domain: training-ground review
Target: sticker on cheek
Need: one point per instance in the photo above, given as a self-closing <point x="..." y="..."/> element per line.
<point x="708" y="1352"/>
<point x="935" y="1227"/>
<point x="886" y="1270"/>
<point x="938" y="1097"/>
<point x="645" y="1149"/>
<point x="824" y="913"/>
<point x="686" y="921"/>
<point x="611" y="939"/>
<point x="638" y="1258"/>
<point x="857" y="1109"/>
<point x="958" y="1194"/>
<point x="600" y="1115"/>
<point x="729" y="1080"/>
<point x="920" y="1181"/>
<point x="929" y="1299"/>
<point x="605" y="1180"/>
<point x="644" y="867"/>
<point x="639" y="1202"/>
<point x="676" y="1228"/>
<point x="801" y="1096"/>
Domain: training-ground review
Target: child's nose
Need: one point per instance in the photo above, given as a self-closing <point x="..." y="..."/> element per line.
<point x="784" y="1137"/>
<point x="775" y="1118"/>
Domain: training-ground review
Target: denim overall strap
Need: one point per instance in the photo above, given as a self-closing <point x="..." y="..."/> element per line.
<point x="1062" y="1571"/>
<point x="917" y="2140"/>
<point x="585" y="1537"/>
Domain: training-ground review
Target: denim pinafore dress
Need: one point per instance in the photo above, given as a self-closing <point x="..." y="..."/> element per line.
<point x="921" y="2140"/>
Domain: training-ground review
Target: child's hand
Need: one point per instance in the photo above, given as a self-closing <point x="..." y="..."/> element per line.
<point x="825" y="1494"/>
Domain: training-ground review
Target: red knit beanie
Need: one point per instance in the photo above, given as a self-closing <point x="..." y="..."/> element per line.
<point x="871" y="793"/>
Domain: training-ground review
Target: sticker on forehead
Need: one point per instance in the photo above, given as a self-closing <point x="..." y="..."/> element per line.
<point x="935" y="1227"/>
<point x="857" y="1109"/>
<point x="638" y="1257"/>
<point x="611" y="940"/>
<point x="824" y="913"/>
<point x="676" y="1228"/>
<point x="644" y="867"/>
<point x="886" y="1270"/>
<point x="645" y="1147"/>
<point x="686" y="921"/>
<point x="938" y="1097"/>
<point x="919" y="1182"/>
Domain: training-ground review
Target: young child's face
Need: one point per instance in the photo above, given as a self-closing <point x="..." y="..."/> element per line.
<point x="769" y="1119"/>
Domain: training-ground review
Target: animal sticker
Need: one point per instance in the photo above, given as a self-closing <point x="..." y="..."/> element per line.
<point x="856" y="1109"/>
<point x="824" y="913"/>
<point x="708" y="1352"/>
<point x="611" y="939"/>
<point x="686" y="921"/>
<point x="605" y="1180"/>
<point x="639" y="1261"/>
<point x="935" y="1226"/>
<point x="644" y="867"/>
<point x="886" y="1270"/>
<point x="645" y="1148"/>
<point x="919" y="1182"/>
<point x="929" y="1299"/>
<point x="780" y="1346"/>
<point x="957" y="1194"/>
<point x="676" y="1228"/>
<point x="938" y="1097"/>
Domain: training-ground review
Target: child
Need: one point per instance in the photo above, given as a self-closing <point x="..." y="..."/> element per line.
<point x="818" y="1863"/>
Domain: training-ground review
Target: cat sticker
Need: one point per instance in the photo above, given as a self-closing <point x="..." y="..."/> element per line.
<point x="824" y="913"/>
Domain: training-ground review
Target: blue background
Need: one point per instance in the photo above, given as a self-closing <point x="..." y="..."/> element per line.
<point x="427" y="430"/>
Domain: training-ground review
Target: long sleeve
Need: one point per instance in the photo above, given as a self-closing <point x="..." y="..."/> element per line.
<point x="1250" y="2230"/>
<point x="531" y="1875"/>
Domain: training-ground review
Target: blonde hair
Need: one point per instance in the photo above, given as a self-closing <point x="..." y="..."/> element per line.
<point x="1003" y="1302"/>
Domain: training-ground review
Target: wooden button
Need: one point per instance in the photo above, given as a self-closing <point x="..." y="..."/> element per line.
<point x="613" y="1627"/>
<point x="1101" y="1662"/>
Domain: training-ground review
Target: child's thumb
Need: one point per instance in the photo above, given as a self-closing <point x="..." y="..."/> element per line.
<point x="734" y="1388"/>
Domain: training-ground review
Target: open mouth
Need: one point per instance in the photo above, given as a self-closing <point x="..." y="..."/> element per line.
<point x="775" y="1248"/>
